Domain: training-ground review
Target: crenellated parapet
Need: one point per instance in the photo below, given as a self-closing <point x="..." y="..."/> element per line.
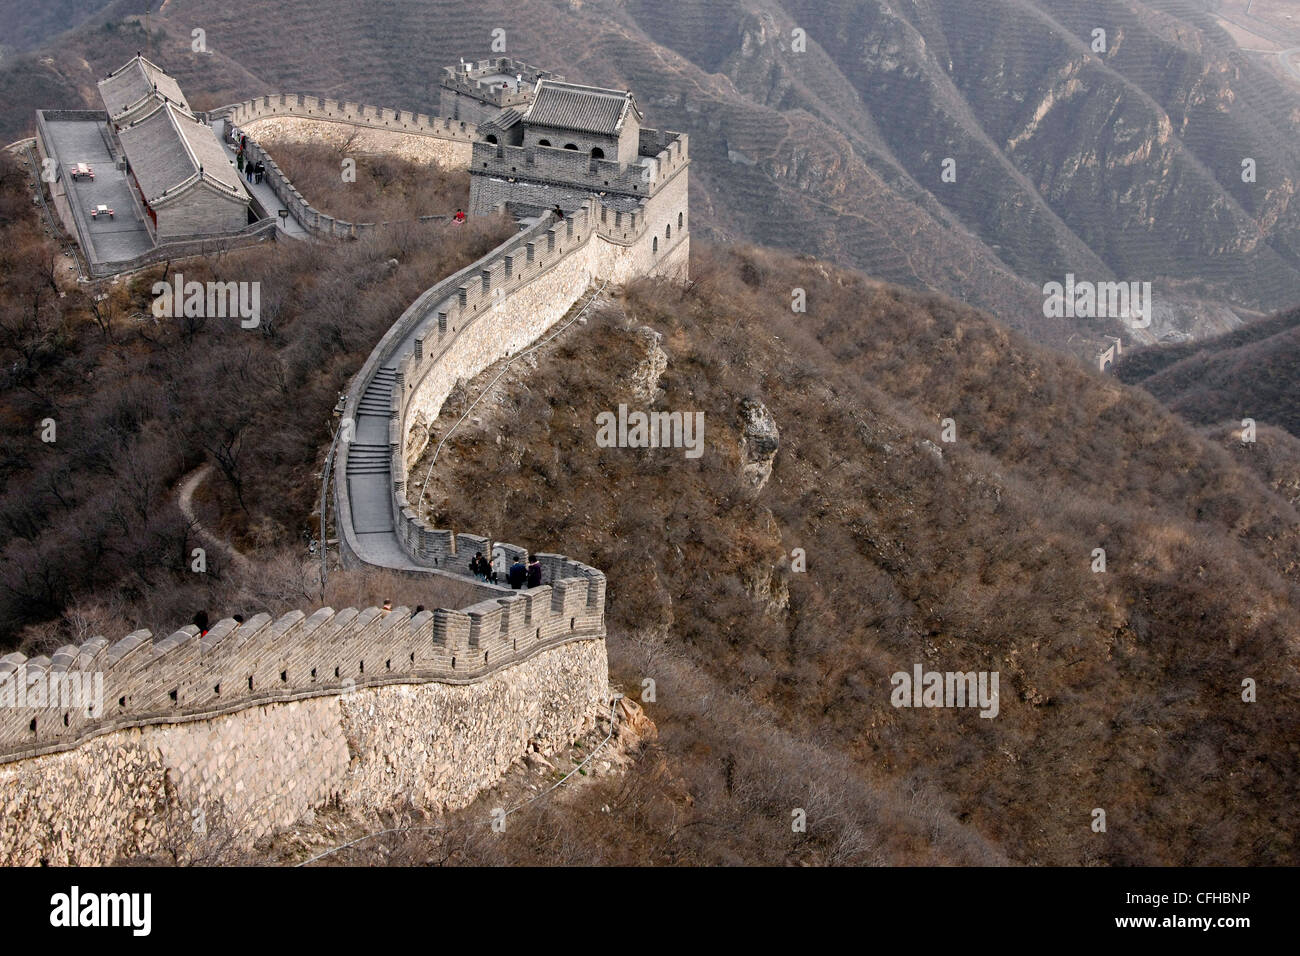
<point x="55" y="703"/>
<point x="341" y="111"/>
<point x="663" y="154"/>
<point x="471" y="91"/>
<point x="312" y="219"/>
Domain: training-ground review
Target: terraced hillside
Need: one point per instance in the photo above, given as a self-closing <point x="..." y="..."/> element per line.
<point x="1120" y="164"/>
<point x="1251" y="373"/>
<point x="1120" y="688"/>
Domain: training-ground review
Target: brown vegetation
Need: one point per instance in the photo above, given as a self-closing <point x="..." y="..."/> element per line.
<point x="386" y="189"/>
<point x="1251" y="372"/>
<point x="1120" y="690"/>
<point x="138" y="401"/>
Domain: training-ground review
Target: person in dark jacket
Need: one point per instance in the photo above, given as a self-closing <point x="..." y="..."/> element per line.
<point x="517" y="574"/>
<point x="534" y="571"/>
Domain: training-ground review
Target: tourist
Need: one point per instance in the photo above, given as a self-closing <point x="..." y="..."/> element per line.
<point x="534" y="571"/>
<point x="559" y="213"/>
<point x="261" y="170"/>
<point x="388" y="606"/>
<point x="201" y="622"/>
<point x="517" y="574"/>
<point x="459" y="217"/>
<point x="479" y="566"/>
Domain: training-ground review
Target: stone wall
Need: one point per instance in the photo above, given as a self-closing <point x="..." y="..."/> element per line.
<point x="417" y="147"/>
<point x="294" y="117"/>
<point x="249" y="727"/>
<point x="203" y="209"/>
<point x="488" y="311"/>
<point x="339" y="111"/>
<point x="566" y="173"/>
<point x="201" y="786"/>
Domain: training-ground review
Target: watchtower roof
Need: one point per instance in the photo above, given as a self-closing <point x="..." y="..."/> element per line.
<point x="587" y="109"/>
<point x="508" y="118"/>
<point x="137" y="80"/>
<point x="169" y="150"/>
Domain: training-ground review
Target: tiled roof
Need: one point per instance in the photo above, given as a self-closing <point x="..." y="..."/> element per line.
<point x="135" y="82"/>
<point x="587" y="109"/>
<point x="168" y="147"/>
<point x="504" y="120"/>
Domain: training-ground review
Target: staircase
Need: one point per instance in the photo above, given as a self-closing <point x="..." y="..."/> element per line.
<point x="378" y="397"/>
<point x="369" y="466"/>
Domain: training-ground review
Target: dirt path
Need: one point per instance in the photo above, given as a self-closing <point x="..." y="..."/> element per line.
<point x="185" y="498"/>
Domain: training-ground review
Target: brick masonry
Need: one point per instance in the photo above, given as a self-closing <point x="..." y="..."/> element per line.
<point x="251" y="726"/>
<point x="229" y="780"/>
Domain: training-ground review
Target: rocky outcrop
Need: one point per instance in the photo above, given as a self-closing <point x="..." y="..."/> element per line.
<point x="759" y="441"/>
<point x="645" y="378"/>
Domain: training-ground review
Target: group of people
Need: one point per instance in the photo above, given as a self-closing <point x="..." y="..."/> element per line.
<point x="254" y="172"/>
<point x="519" y="574"/>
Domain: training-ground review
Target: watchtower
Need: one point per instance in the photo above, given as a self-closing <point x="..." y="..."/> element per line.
<point x="474" y="92"/>
<point x="572" y="143"/>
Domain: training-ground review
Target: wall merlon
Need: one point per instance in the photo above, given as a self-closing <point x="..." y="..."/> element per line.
<point x="251" y="630"/>
<point x="128" y="648"/>
<point x="451" y="630"/>
<point x="92" y="654"/>
<point x="63" y="659"/>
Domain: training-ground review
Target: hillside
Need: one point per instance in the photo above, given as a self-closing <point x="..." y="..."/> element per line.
<point x="92" y="531"/>
<point x="1124" y="164"/>
<point x="1120" y="690"/>
<point x="1250" y="373"/>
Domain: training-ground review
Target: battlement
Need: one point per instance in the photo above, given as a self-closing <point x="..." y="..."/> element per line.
<point x="56" y="703"/>
<point x="462" y="325"/>
<point x="662" y="153"/>
<point x="312" y="219"/>
<point x="500" y="82"/>
<point x="341" y="111"/>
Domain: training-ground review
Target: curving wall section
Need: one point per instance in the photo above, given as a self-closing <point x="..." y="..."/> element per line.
<point x="341" y="111"/>
<point x="317" y="109"/>
<point x="487" y="311"/>
<point x="114" y="749"/>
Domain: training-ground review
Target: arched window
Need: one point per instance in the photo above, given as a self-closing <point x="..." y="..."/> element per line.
<point x="655" y="245"/>
<point x="679" y="220"/>
<point x="492" y="140"/>
<point x="572" y="146"/>
<point x="668" y="233"/>
<point x="543" y="142"/>
<point x="597" y="153"/>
